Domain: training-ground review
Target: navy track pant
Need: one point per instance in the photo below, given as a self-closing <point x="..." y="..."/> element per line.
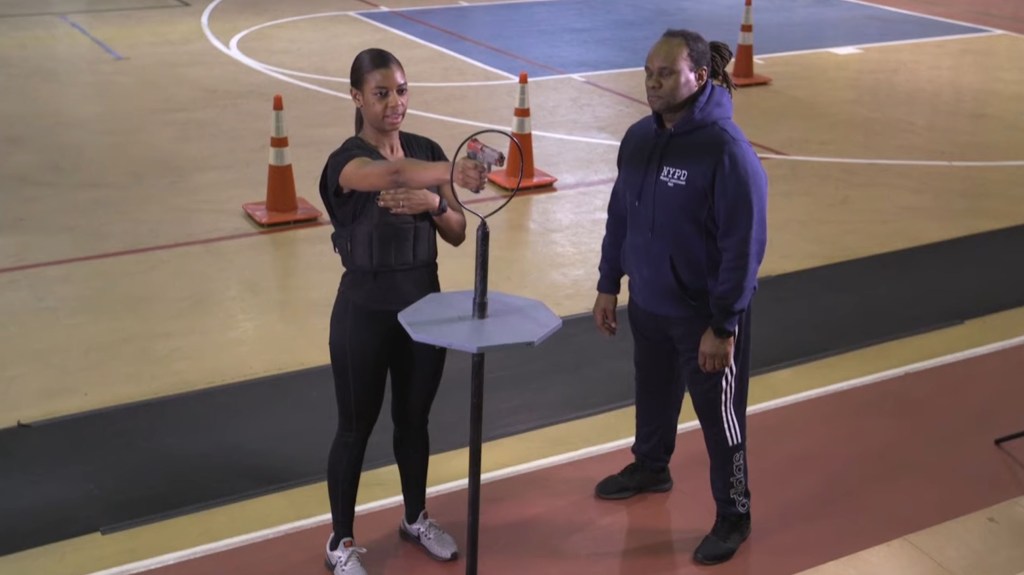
<point x="665" y="361"/>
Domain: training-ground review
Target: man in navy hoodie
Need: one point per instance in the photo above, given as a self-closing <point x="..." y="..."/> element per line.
<point x="687" y="224"/>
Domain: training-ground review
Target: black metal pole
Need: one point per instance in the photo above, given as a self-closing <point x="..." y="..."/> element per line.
<point x="476" y="417"/>
<point x="1006" y="438"/>
<point x="476" y="401"/>
<point x="483" y="240"/>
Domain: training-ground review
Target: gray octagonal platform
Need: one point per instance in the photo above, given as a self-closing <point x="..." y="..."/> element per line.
<point x="446" y="319"/>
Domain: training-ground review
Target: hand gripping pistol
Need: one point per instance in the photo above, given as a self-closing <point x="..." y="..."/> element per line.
<point x="484" y="154"/>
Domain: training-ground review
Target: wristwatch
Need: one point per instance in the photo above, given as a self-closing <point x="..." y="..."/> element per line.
<point x="723" y="333"/>
<point x="442" y="207"/>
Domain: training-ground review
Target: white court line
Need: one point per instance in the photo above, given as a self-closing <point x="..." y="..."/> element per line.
<point x="436" y="47"/>
<point x="511" y="79"/>
<point x="234" y="53"/>
<point x="928" y="16"/>
<point x="238" y="56"/>
<point x="941" y="163"/>
<point x="829" y="49"/>
<point x="562" y="459"/>
<point x="467" y="5"/>
<point x="884" y="44"/>
<point x="340" y="80"/>
<point x="238" y="38"/>
<point x="804" y="52"/>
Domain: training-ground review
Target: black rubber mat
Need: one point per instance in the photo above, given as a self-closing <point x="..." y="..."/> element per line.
<point x="124" y="466"/>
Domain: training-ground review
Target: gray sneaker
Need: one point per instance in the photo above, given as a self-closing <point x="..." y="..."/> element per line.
<point x="345" y="559"/>
<point x="429" y="534"/>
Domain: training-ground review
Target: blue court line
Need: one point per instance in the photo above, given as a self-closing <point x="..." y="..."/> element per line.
<point x="584" y="36"/>
<point x="95" y="40"/>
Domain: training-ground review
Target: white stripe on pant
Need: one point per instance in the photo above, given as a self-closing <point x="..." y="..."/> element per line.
<point x="731" y="425"/>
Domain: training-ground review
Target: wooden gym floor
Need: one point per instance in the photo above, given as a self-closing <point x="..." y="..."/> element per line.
<point x="134" y="130"/>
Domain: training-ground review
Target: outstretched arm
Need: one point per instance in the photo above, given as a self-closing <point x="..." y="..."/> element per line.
<point x="364" y="174"/>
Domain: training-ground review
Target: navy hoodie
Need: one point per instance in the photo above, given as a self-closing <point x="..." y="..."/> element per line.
<point x="687" y="215"/>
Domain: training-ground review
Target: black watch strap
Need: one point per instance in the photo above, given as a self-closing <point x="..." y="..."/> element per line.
<point x="722" y="332"/>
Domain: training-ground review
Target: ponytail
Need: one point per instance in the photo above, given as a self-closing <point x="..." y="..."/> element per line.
<point x="721" y="55"/>
<point x="714" y="56"/>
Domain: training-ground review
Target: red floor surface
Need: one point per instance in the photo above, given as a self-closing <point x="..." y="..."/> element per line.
<point x="829" y="476"/>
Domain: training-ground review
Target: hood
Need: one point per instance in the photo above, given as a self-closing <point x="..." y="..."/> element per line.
<point x="712" y="104"/>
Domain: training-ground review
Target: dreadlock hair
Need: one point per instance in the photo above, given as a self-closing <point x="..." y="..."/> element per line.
<point x="367" y="62"/>
<point x="714" y="55"/>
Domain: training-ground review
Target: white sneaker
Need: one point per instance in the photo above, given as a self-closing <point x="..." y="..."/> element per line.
<point x="345" y="559"/>
<point x="429" y="534"/>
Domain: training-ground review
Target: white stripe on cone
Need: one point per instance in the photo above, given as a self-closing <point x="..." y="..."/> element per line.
<point x="278" y="128"/>
<point x="524" y="98"/>
<point x="279" y="157"/>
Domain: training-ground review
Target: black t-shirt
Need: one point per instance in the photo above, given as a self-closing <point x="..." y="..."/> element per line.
<point x="393" y="290"/>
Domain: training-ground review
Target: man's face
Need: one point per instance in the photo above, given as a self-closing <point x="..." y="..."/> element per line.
<point x="670" y="78"/>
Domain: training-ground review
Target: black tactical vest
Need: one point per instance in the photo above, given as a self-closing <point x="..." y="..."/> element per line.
<point x="382" y="241"/>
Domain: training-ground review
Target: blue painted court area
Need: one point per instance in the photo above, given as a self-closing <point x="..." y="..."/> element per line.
<point x="575" y="36"/>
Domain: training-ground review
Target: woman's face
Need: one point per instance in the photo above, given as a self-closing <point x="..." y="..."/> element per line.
<point x="383" y="99"/>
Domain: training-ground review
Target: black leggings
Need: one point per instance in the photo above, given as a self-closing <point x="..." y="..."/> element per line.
<point x="366" y="345"/>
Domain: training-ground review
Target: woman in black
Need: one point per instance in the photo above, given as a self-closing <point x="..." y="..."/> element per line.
<point x="388" y="196"/>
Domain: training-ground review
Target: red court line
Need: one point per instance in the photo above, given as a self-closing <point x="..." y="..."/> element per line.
<point x="575" y="186"/>
<point x="588" y="184"/>
<point x="157" y="248"/>
<point x="643" y="103"/>
<point x="257" y="233"/>
<point x="639" y="101"/>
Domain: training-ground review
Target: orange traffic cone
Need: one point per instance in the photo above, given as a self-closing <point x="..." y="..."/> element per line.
<point x="532" y="177"/>
<point x="281" y="205"/>
<point x="743" y="69"/>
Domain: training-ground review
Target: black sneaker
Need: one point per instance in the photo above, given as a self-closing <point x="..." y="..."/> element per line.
<point x="723" y="541"/>
<point x="633" y="479"/>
